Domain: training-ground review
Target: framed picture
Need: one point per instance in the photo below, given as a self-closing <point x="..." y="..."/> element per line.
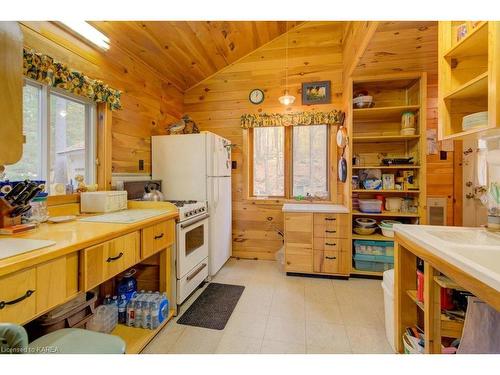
<point x="316" y="93"/>
<point x="388" y="182"/>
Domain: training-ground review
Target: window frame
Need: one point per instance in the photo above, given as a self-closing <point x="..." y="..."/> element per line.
<point x="288" y="160"/>
<point x="90" y="129"/>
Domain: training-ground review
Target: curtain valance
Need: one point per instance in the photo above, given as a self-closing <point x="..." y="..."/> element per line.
<point x="334" y="117"/>
<point x="45" y="69"/>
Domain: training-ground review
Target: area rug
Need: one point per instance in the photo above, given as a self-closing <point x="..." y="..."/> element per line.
<point x="213" y="308"/>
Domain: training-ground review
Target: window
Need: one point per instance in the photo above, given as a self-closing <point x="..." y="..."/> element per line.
<point x="60" y="137"/>
<point x="298" y="170"/>
<point x="269" y="162"/>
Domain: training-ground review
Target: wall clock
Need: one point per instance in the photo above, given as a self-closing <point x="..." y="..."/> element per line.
<point x="256" y="96"/>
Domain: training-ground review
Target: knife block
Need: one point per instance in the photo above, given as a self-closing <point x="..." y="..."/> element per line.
<point x="5" y="219"/>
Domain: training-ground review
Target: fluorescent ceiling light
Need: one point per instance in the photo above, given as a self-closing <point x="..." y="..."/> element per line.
<point x="89" y="32"/>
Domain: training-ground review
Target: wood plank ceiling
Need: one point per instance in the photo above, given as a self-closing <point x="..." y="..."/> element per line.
<point x="401" y="46"/>
<point x="187" y="52"/>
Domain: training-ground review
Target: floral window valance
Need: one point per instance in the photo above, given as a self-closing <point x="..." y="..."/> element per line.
<point x="45" y="69"/>
<point x="289" y="119"/>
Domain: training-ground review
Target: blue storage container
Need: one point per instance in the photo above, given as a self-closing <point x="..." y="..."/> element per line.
<point x="374" y="247"/>
<point x="376" y="263"/>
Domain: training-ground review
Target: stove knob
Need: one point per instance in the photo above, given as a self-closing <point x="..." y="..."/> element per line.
<point x="188" y="214"/>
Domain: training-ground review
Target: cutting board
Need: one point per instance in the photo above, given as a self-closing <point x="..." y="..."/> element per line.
<point x="15" y="246"/>
<point x="126" y="216"/>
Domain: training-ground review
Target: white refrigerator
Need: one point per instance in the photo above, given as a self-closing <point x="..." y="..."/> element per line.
<point x="198" y="167"/>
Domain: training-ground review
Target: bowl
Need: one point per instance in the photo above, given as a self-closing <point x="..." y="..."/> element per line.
<point x="365" y="101"/>
<point x="365" y="222"/>
<point x="364" y="231"/>
<point x="387" y="231"/>
<point x="389" y="223"/>
<point x="408" y="131"/>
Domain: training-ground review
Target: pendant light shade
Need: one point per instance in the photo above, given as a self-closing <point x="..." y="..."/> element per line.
<point x="286" y="99"/>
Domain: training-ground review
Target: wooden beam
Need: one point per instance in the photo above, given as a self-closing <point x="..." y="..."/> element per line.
<point x="357" y="37"/>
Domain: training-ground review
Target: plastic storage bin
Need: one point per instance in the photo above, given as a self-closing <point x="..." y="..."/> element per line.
<point x="372" y="206"/>
<point x="375" y="263"/>
<point x="105" y="319"/>
<point x="388" y="288"/>
<point x="374" y="247"/>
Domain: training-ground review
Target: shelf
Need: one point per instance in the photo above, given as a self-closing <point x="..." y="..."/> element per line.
<point x="463" y="134"/>
<point x="386" y="191"/>
<point x="354" y="271"/>
<point x="385" y="213"/>
<point x="382" y="113"/>
<point x="371" y="237"/>
<point x="446" y="282"/>
<point x="402" y="166"/>
<point x="137" y="338"/>
<point x="475" y="88"/>
<point x="384" y="138"/>
<point x="475" y="43"/>
<point x="449" y="327"/>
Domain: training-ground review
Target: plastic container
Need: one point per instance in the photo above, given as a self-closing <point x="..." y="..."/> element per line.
<point x="104" y="320"/>
<point x="373" y="206"/>
<point x="407" y="120"/>
<point x="39" y="212"/>
<point x="408" y="131"/>
<point x="375" y="263"/>
<point x="388" y="288"/>
<point x="385" y="248"/>
<point x="73" y="314"/>
<point x="446" y="297"/>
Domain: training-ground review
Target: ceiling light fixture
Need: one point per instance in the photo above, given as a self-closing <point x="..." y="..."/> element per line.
<point x="88" y="32"/>
<point x="286" y="99"/>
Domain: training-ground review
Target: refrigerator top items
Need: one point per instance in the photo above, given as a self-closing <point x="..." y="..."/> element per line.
<point x="183" y="162"/>
<point x="190" y="209"/>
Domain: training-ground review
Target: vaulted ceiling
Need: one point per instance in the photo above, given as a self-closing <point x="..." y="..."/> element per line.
<point x="187" y="52"/>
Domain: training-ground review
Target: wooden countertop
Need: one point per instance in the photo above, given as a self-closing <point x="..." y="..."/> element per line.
<point x="77" y="235"/>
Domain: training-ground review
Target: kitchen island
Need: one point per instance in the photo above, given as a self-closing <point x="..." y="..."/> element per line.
<point x="468" y="257"/>
<point x="85" y="256"/>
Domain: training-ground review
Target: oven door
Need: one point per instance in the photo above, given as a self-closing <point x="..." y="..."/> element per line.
<point x="192" y="244"/>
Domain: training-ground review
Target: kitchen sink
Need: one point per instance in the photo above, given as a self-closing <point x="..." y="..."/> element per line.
<point x="466" y="237"/>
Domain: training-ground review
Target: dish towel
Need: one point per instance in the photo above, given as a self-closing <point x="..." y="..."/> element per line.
<point x="481" y="334"/>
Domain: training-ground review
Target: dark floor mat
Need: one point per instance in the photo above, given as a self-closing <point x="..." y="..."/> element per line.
<point x="213" y="308"/>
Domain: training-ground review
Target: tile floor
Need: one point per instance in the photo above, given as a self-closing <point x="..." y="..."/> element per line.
<point x="285" y="314"/>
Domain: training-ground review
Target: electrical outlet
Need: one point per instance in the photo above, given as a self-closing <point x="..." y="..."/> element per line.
<point x="141" y="165"/>
<point x="234" y="164"/>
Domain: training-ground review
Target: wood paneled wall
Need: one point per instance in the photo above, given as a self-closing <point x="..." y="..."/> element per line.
<point x="149" y="101"/>
<point x="216" y="104"/>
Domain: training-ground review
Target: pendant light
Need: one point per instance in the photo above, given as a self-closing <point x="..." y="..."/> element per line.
<point x="286" y="99"/>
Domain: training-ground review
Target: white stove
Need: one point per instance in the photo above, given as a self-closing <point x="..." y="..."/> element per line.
<point x="190" y="209"/>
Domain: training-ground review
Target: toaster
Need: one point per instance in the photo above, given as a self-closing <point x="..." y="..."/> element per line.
<point x="103" y="201"/>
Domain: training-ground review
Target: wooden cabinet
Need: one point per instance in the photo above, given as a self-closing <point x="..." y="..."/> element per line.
<point x="11" y="92"/>
<point x="101" y="262"/>
<point x="157" y="237"/>
<point x="317" y="243"/>
<point x="468" y="76"/>
<point x="17" y="296"/>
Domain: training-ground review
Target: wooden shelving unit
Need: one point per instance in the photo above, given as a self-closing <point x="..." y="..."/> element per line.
<point x="375" y="134"/>
<point x="137" y="338"/>
<point x="468" y="79"/>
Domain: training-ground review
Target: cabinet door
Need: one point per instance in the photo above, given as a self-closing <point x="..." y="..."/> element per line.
<point x="298" y="259"/>
<point x="11" y="92"/>
<point x="298" y="229"/>
<point x="18" y="296"/>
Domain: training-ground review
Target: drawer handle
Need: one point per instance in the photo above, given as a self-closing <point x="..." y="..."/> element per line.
<point x="331" y="258"/>
<point x="330" y="231"/>
<point x="330" y="244"/>
<point x="111" y="259"/>
<point x="159" y="236"/>
<point x="17" y="300"/>
<point x="330" y="219"/>
<point x="192" y="276"/>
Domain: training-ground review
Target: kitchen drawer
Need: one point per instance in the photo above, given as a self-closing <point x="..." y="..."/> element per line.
<point x="157" y="237"/>
<point x="327" y="261"/>
<point x="331" y="225"/>
<point x="298" y="229"/>
<point x="103" y="261"/>
<point x="18" y="296"/>
<point x="331" y="244"/>
<point x="298" y="259"/>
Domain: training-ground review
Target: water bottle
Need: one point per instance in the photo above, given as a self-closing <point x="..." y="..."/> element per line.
<point x="146" y="314"/>
<point x="155" y="320"/>
<point x="163" y="308"/>
<point x="131" y="312"/>
<point x="138" y="312"/>
<point x="107" y="300"/>
<point x="122" y="309"/>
